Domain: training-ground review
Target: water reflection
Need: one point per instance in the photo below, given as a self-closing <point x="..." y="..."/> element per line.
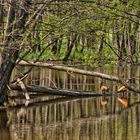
<point x="123" y="101"/>
<point x="59" y="118"/>
<point x="76" y="119"/>
<point x="103" y="101"/>
<point x="4" y="129"/>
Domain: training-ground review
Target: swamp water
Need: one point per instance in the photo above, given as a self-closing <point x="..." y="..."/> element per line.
<point x="59" y="118"/>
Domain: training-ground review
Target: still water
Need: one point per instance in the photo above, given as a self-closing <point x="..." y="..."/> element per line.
<point x="58" y="118"/>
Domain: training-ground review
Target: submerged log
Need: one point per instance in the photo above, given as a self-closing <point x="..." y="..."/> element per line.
<point x="59" y="92"/>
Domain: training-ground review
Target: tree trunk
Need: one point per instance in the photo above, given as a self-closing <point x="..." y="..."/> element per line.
<point x="7" y="55"/>
<point x="101" y="44"/>
<point x="60" y="41"/>
<point x="10" y="55"/>
<point x="54" y="46"/>
<point x="1" y="20"/>
<point x="70" y="46"/>
<point x="120" y="45"/>
<point x="133" y="38"/>
<point x="132" y="44"/>
<point x="6" y="70"/>
<point x="82" y="43"/>
<point x="58" y="92"/>
<point x="123" y="46"/>
<point x="1" y="11"/>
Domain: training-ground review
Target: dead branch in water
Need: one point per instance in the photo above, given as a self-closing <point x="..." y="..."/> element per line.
<point x="58" y="92"/>
<point x="80" y="71"/>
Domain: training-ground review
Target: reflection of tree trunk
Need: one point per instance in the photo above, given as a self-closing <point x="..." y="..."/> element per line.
<point x="132" y="45"/>
<point x="4" y="130"/>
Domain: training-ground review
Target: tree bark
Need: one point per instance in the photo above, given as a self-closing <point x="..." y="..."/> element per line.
<point x="54" y="46"/>
<point x="101" y="44"/>
<point x="6" y="70"/>
<point x="9" y="56"/>
<point x="133" y="36"/>
<point x="132" y="44"/>
<point x="1" y="21"/>
<point x="1" y="11"/>
<point x="70" y="46"/>
<point x="58" y="92"/>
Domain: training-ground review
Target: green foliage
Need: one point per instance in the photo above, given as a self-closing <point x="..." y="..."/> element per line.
<point x="93" y="20"/>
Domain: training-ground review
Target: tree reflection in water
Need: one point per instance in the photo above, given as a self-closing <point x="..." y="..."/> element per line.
<point x="76" y="119"/>
<point x="4" y="129"/>
<point x="56" y="118"/>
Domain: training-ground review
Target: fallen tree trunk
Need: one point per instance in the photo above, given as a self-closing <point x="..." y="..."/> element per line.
<point x="53" y="91"/>
<point x="80" y="71"/>
<point x="69" y="69"/>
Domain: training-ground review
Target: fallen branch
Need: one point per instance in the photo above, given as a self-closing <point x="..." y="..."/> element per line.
<point x="59" y="92"/>
<point x="69" y="69"/>
<point x="80" y="71"/>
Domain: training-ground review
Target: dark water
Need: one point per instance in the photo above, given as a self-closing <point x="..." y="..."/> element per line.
<point x="59" y="118"/>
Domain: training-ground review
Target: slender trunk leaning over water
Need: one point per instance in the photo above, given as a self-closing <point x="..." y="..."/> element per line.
<point x="10" y="51"/>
